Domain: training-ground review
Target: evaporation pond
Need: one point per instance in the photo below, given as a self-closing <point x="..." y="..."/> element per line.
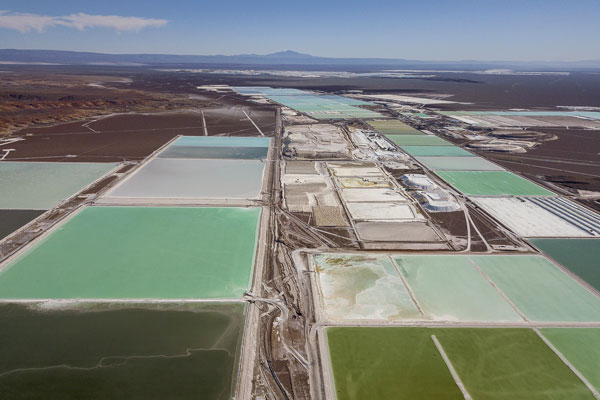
<point x="14" y="219"/>
<point x="362" y="286"/>
<point x="217" y="147"/>
<point x="406" y="363"/>
<point x="581" y="256"/>
<point x="492" y="183"/>
<point x="418" y="140"/>
<point x="458" y="164"/>
<point x="118" y="351"/>
<point x="194" y="179"/>
<point x="388" y="363"/>
<point x="581" y="346"/>
<point x="539" y="289"/>
<point x="43" y="185"/>
<point x="505" y="363"/>
<point x="449" y="288"/>
<point x="437" y="151"/>
<point x="139" y="253"/>
<point x="393" y="126"/>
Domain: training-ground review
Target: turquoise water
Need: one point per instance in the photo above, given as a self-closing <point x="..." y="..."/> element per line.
<point x="316" y="105"/>
<point x="541" y="291"/>
<point x="586" y="114"/>
<point x="219" y="141"/>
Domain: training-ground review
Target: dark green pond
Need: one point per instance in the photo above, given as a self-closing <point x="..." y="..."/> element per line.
<point x="150" y="351"/>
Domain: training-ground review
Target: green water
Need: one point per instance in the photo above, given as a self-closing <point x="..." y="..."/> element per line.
<point x="404" y="363"/>
<point x="540" y="290"/>
<point x="581" y="346"/>
<point x="492" y="183"/>
<point x="436" y="151"/>
<point x="119" y="351"/>
<point x="418" y="140"/>
<point x="388" y="363"/>
<point x="145" y="252"/>
<point x="502" y="364"/>
<point x="581" y="256"/>
<point x="450" y="288"/>
<point x="394" y="127"/>
<point x="458" y="164"/>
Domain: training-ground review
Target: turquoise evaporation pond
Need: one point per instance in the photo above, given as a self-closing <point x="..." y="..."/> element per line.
<point x="449" y="288"/>
<point x="139" y="253"/>
<point x="216" y="147"/>
<point x="220" y="141"/>
<point x="316" y="105"/>
<point x="436" y="151"/>
<point x="586" y="114"/>
<point x="43" y="185"/>
<point x="580" y="256"/>
<point x="539" y="289"/>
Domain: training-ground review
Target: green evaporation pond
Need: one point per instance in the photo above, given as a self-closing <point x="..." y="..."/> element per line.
<point x="492" y="183"/>
<point x="388" y="363"/>
<point x="120" y="351"/>
<point x="501" y="363"/>
<point x="450" y="288"/>
<point x="581" y="346"/>
<point x="581" y="256"/>
<point x="437" y="150"/>
<point x="404" y="363"/>
<point x="418" y="140"/>
<point x="540" y="290"/>
<point x="394" y="127"/>
<point x="43" y="185"/>
<point x="139" y="253"/>
<point x="458" y="164"/>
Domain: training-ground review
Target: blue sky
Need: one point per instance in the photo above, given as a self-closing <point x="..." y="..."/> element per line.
<point x="426" y="30"/>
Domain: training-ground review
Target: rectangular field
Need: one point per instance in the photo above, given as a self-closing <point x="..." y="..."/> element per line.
<point x="458" y="164"/>
<point x="168" y="178"/>
<point x="116" y="351"/>
<point x="388" y="363"/>
<point x="540" y="290"/>
<point x="393" y="127"/>
<point x="418" y="140"/>
<point x="383" y="211"/>
<point x="215" y="147"/>
<point x="578" y="255"/>
<point x="358" y="287"/>
<point x="407" y="363"/>
<point x="139" y="253"/>
<point x="492" y="183"/>
<point x="43" y="185"/>
<point x="449" y="288"/>
<point x="436" y="151"/>
<point x="580" y="347"/>
<point x="528" y="217"/>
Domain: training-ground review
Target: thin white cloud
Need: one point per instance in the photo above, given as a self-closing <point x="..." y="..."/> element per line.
<point x="25" y="22"/>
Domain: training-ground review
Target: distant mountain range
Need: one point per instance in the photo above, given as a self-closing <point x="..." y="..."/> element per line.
<point x="280" y="58"/>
